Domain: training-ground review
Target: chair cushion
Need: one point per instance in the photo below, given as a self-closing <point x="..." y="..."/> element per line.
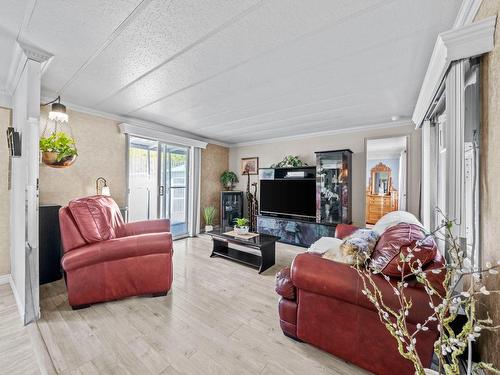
<point x="98" y="217"/>
<point x="118" y="248"/>
<point x="399" y="239"/>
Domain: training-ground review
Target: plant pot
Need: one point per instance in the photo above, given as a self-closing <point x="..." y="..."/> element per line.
<point x="49" y="157"/>
<point x="209" y="228"/>
<point x="229" y="186"/>
<point x="241" y="230"/>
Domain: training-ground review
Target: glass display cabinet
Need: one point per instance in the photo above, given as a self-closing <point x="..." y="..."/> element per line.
<point x="231" y="207"/>
<point x="333" y="187"/>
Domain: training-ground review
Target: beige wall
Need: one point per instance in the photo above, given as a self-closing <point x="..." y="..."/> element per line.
<point x="214" y="161"/>
<point x="304" y="148"/>
<point x="101" y="153"/>
<point x="4" y="194"/>
<point x="490" y="179"/>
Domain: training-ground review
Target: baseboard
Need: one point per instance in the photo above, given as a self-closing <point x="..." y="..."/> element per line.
<point x="20" y="305"/>
<point x="5" y="279"/>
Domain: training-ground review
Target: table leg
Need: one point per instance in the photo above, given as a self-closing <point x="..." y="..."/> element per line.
<point x="218" y="244"/>
<point x="268" y="256"/>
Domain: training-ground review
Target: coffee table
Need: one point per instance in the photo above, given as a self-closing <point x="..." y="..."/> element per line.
<point x="265" y="243"/>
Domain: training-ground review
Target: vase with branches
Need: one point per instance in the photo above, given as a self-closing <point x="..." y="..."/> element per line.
<point x="460" y="291"/>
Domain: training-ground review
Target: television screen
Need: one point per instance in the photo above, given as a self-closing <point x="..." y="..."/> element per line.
<point x="290" y="197"/>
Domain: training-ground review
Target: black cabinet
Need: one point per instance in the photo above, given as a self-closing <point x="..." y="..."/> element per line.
<point x="231" y="207"/>
<point x="49" y="244"/>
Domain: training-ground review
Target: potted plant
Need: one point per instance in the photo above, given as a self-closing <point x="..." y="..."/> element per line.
<point x="241" y="225"/>
<point x="228" y="179"/>
<point x="58" y="150"/>
<point x="209" y="215"/>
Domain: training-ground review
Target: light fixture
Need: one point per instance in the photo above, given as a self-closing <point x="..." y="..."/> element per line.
<point x="57" y="111"/>
<point x="104" y="189"/>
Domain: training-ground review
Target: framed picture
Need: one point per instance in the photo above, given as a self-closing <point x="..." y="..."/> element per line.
<point x="266" y="174"/>
<point x="249" y="164"/>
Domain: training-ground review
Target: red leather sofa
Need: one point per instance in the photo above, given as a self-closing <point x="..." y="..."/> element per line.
<point x="321" y="304"/>
<point x="106" y="259"/>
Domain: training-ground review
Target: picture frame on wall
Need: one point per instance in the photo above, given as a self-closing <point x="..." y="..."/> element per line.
<point x="250" y="164"/>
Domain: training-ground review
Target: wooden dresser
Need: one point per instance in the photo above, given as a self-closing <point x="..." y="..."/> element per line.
<point x="379" y="205"/>
<point x="381" y="196"/>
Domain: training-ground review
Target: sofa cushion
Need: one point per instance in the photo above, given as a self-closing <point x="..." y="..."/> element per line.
<point x="98" y="217"/>
<point x="399" y="239"/>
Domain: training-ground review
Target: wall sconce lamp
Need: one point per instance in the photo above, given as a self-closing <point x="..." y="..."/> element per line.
<point x="101" y="186"/>
<point x="57" y="111"/>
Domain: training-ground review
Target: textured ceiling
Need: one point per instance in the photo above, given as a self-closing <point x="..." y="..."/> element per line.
<point x="235" y="71"/>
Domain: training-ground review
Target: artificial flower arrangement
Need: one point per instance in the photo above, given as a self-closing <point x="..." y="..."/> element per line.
<point x="458" y="271"/>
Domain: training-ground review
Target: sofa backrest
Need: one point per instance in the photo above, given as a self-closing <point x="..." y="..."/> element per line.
<point x="70" y="235"/>
<point x="91" y="219"/>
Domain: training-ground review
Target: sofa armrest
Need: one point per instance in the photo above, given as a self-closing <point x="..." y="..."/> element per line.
<point x="117" y="248"/>
<point x="284" y="285"/>
<point x="146" y="226"/>
<point x="315" y="274"/>
<point x="344" y="230"/>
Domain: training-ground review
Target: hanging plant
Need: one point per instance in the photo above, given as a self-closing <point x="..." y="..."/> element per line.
<point x="58" y="150"/>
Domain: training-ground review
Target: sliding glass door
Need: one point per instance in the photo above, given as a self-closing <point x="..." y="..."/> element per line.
<point x="158" y="182"/>
<point x="174" y="187"/>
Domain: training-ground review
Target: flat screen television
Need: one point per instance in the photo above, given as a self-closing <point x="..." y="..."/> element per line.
<point x="288" y="197"/>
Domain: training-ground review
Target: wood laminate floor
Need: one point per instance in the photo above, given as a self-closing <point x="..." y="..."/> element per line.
<point x="220" y="317"/>
<point x="17" y="356"/>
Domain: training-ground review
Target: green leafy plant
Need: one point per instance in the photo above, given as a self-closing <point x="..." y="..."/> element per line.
<point x="241" y="222"/>
<point x="61" y="144"/>
<point x="228" y="179"/>
<point x="290" y="161"/>
<point x="209" y="215"/>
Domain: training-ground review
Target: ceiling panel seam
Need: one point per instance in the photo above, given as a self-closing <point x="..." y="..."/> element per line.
<point x="259" y="55"/>
<point x="197" y="42"/>
<point x="116" y="32"/>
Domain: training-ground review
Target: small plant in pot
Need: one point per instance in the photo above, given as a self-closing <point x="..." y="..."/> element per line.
<point x="209" y="215"/>
<point x="228" y="179"/>
<point x="58" y="150"/>
<point x="241" y="225"/>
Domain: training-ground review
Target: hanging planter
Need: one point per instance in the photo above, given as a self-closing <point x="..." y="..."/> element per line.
<point x="58" y="150"/>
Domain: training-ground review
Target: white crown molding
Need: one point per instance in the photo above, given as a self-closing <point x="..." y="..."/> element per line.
<point x="383" y="125"/>
<point x="467" y="13"/>
<point x="137" y="122"/>
<point x="141" y="131"/>
<point x="34" y="53"/>
<point x="460" y="43"/>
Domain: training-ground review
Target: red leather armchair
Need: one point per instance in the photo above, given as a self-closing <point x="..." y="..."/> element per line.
<point x="106" y="259"/>
<point x="321" y="304"/>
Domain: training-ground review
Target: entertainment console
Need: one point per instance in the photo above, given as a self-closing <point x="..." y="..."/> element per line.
<point x="302" y="204"/>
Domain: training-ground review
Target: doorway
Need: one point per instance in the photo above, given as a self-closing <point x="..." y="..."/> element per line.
<point x="386" y="177"/>
<point x="158" y="183"/>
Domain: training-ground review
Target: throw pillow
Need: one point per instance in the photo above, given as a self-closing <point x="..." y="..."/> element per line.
<point x="399" y="239"/>
<point x="325" y="244"/>
<point x="359" y="245"/>
<point x="393" y="218"/>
